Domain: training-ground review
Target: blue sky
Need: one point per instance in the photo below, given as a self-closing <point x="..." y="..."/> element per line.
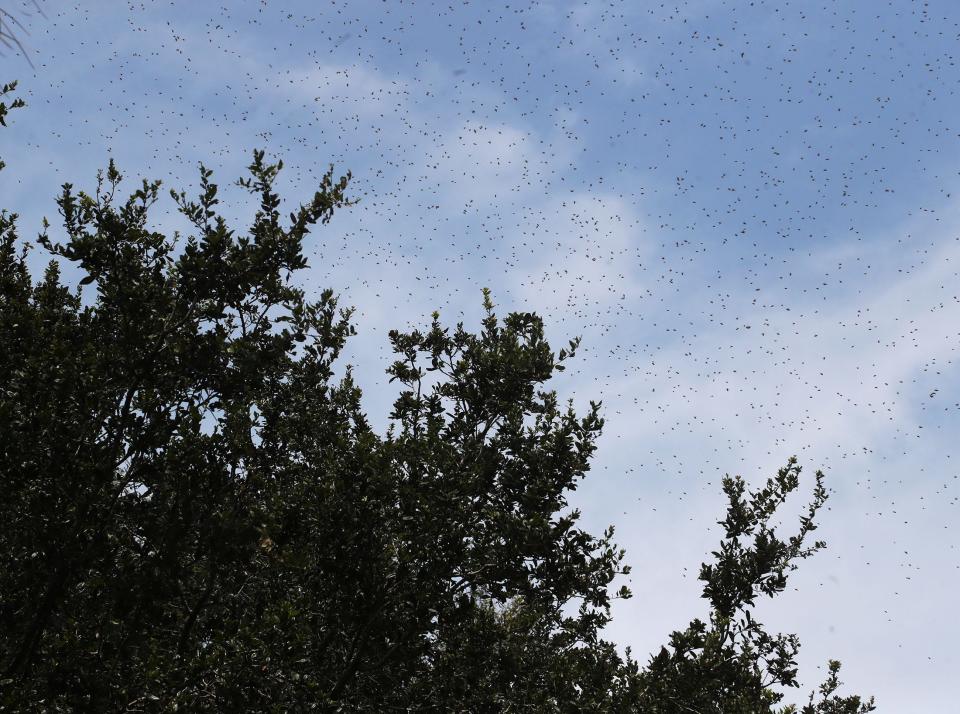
<point x="747" y="210"/>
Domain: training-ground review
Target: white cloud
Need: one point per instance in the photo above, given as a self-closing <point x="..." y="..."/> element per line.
<point x="480" y="164"/>
<point x="843" y="384"/>
<point x="578" y="255"/>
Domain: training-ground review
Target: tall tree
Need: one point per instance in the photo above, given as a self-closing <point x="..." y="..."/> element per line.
<point x="197" y="516"/>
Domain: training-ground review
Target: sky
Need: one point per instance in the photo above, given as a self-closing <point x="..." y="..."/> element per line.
<point x="746" y="210"/>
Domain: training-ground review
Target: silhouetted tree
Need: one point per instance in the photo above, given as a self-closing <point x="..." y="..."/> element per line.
<point x="197" y="516"/>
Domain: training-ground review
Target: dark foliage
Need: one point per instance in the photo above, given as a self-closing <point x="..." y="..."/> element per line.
<point x="196" y="515"/>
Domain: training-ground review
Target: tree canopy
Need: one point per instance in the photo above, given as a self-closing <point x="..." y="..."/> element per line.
<point x="196" y="514"/>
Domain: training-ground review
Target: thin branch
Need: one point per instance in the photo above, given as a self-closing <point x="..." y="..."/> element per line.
<point x="11" y="27"/>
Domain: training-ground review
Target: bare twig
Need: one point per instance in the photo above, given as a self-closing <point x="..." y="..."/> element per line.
<point x="11" y="29"/>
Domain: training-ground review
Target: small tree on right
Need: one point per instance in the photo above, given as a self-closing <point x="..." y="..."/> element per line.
<point x="731" y="663"/>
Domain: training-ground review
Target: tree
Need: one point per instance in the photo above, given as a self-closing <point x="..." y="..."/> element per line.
<point x="197" y="516"/>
